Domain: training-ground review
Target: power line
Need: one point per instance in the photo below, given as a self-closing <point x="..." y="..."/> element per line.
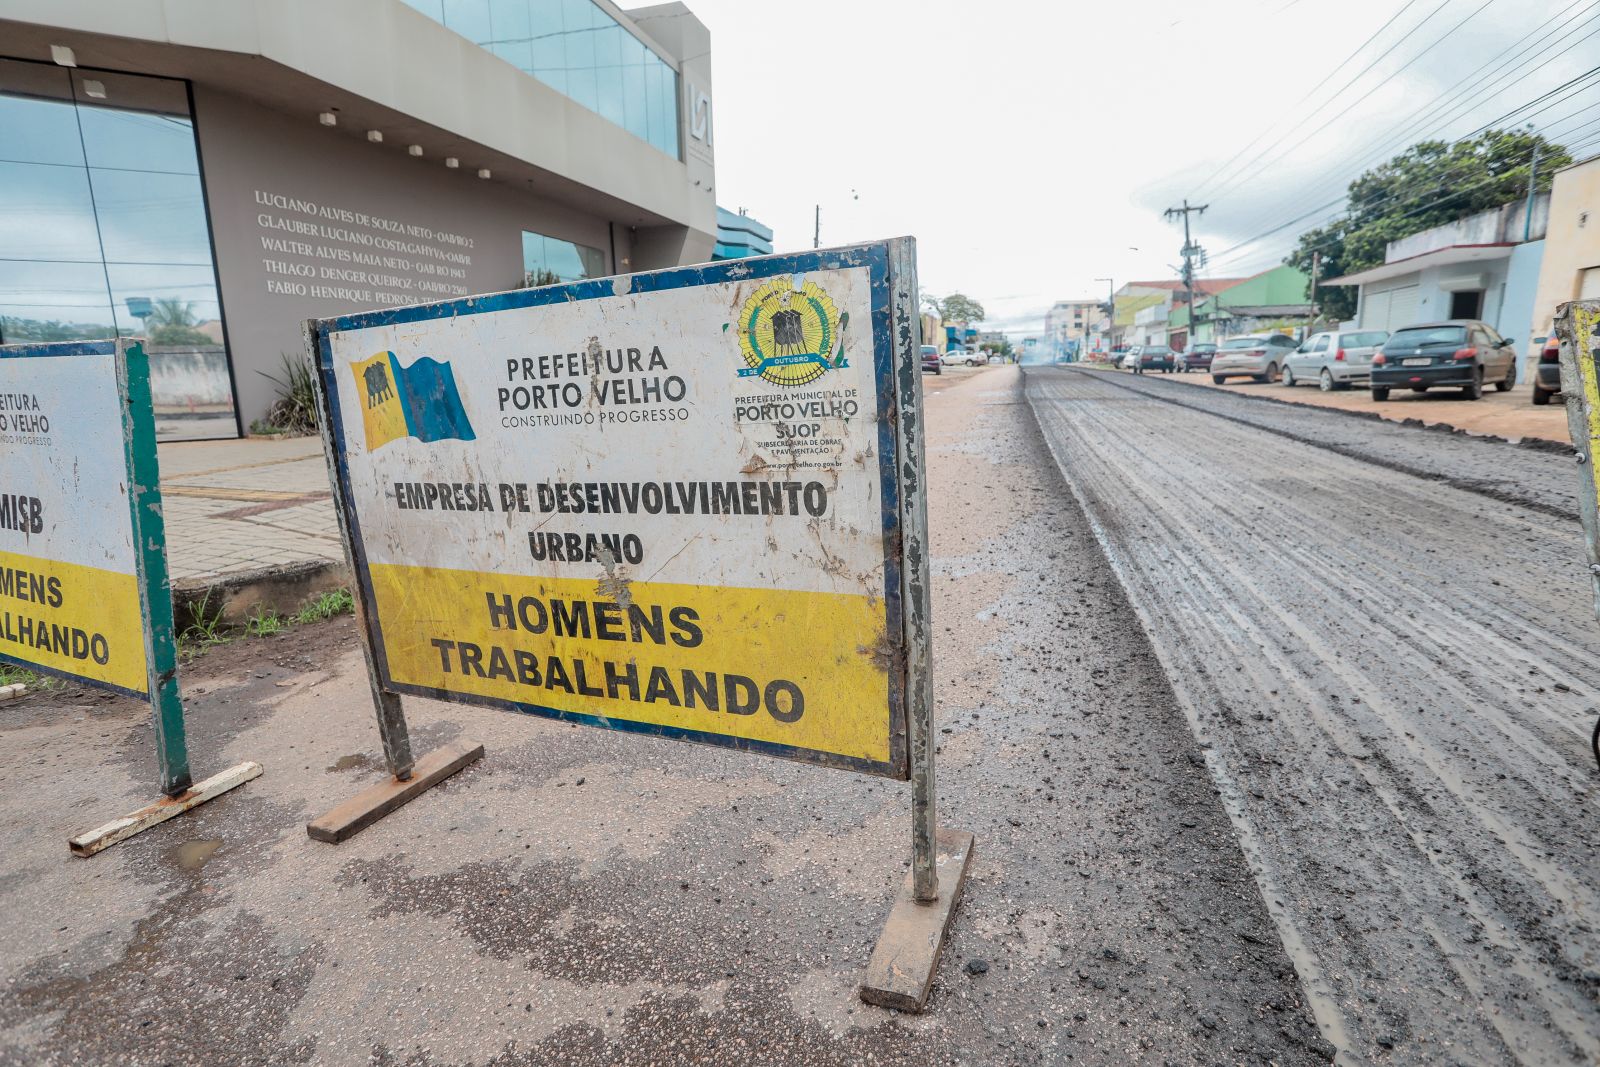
<point x="1325" y="79"/>
<point x="1499" y="121"/>
<point x="1453" y="109"/>
<point x="1363" y="97"/>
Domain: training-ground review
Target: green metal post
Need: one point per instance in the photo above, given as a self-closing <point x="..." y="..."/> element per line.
<point x="150" y="556"/>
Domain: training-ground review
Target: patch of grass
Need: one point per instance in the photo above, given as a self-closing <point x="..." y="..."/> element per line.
<point x="10" y="675"/>
<point x="265" y="624"/>
<point x="206" y="630"/>
<point x="329" y="605"/>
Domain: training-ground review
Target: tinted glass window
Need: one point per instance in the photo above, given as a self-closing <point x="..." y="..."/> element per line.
<point x="103" y="231"/>
<point x="549" y="260"/>
<point x="1429" y="335"/>
<point x="1321" y="344"/>
<point x="577" y="49"/>
<point x="1241" y="342"/>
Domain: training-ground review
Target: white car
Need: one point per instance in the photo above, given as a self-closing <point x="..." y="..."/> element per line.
<point x="958" y="357"/>
<point x="1333" y="360"/>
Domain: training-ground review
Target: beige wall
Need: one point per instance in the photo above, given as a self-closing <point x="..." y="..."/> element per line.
<point x="1572" y="244"/>
<point x="270" y="176"/>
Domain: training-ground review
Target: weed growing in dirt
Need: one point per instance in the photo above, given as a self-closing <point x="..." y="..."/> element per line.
<point x="265" y="623"/>
<point x="206" y="630"/>
<point x="10" y="675"/>
<point x="327" y="606"/>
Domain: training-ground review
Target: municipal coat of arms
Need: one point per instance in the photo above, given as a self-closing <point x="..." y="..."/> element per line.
<point x="790" y="336"/>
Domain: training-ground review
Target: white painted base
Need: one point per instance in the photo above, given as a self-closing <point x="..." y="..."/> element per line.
<point x="92" y="841"/>
<point x="12" y="692"/>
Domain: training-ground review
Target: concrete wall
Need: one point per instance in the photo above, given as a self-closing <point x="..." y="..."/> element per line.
<point x="1516" y="303"/>
<point x="1506" y="224"/>
<point x="188" y="378"/>
<point x="1573" y="245"/>
<point x="309" y="224"/>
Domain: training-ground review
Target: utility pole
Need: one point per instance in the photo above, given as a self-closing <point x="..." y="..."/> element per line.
<point x="1189" y="251"/>
<point x="1316" y="272"/>
<point x="1111" y="311"/>
<point x="1533" y="183"/>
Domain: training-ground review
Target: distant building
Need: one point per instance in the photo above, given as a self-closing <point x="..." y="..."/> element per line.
<point x="249" y="166"/>
<point x="1071" y="320"/>
<point x="1571" y="264"/>
<point x="1276" y="300"/>
<point x="1485" y="266"/>
<point x="1144" y="309"/>
<point x="739" y="235"/>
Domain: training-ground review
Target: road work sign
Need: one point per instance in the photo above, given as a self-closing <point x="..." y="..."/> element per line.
<point x="665" y="503"/>
<point x="83" y="566"/>
<point x="70" y="598"/>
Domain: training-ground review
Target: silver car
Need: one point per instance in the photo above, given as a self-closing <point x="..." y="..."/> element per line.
<point x="1258" y="355"/>
<point x="1333" y="360"/>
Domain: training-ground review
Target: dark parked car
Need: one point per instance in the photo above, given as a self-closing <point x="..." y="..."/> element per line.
<point x="1199" y="356"/>
<point x="1156" y="357"/>
<point x="1460" y="353"/>
<point x="930" y="359"/>
<point x="1547" y="372"/>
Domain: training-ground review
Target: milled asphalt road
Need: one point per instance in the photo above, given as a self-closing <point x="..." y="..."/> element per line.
<point x="1384" y="639"/>
<point x="579" y="897"/>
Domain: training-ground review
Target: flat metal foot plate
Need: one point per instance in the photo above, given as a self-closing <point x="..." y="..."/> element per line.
<point x="370" y="805"/>
<point x="102" y="837"/>
<point x="902" y="967"/>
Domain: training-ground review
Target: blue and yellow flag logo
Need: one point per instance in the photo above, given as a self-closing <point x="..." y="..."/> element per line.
<point x="418" y="401"/>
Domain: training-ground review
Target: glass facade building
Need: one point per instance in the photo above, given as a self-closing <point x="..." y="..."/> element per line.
<point x="103" y="230"/>
<point x="579" y="50"/>
<point x="549" y="260"/>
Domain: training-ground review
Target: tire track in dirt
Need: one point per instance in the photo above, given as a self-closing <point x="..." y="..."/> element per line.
<point x="1377" y="691"/>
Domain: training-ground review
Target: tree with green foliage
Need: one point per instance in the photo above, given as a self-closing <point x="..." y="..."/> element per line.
<point x="957" y="307"/>
<point x="1431" y="183"/>
<point x="172" y="322"/>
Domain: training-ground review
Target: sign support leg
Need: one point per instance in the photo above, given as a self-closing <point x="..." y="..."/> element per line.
<point x="410" y="777"/>
<point x="180" y="791"/>
<point x="900" y="973"/>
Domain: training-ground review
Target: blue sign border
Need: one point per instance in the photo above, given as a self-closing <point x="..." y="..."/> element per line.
<point x="875" y="257"/>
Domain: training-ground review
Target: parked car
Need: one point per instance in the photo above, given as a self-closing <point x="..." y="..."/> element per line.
<point x="1130" y="358"/>
<point x="1156" y="357"/>
<point x="930" y="359"/>
<point x="1333" y="360"/>
<point x="1546" y="381"/>
<point x="1258" y="355"/>
<point x="1199" y="356"/>
<point x="956" y="357"/>
<point x="1460" y="353"/>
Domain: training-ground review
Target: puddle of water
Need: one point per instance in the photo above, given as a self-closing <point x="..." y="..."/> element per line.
<point x="356" y="761"/>
<point x="191" y="855"/>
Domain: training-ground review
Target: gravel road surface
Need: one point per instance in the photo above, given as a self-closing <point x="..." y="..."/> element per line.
<point x="580" y="897"/>
<point x="1383" y="639"/>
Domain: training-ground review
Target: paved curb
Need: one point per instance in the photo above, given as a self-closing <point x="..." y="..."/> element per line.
<point x="15" y="691"/>
<point x="234" y="598"/>
<point x="1537" y="444"/>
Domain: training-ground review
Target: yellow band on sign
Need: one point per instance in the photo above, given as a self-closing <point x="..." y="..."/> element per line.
<point x="80" y="621"/>
<point x="807" y="670"/>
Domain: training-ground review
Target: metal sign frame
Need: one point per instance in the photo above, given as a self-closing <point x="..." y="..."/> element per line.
<point x="900" y="972"/>
<point x="149" y="538"/>
<point x="888" y="359"/>
<point x="142" y="479"/>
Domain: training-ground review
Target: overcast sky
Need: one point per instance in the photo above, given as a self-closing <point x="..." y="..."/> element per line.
<point x="1030" y="147"/>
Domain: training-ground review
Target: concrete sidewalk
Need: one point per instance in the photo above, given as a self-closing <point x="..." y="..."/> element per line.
<point x="240" y="506"/>
<point x="1510" y="415"/>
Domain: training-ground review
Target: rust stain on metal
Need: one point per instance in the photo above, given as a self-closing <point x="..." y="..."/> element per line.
<point x="883" y="652"/>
